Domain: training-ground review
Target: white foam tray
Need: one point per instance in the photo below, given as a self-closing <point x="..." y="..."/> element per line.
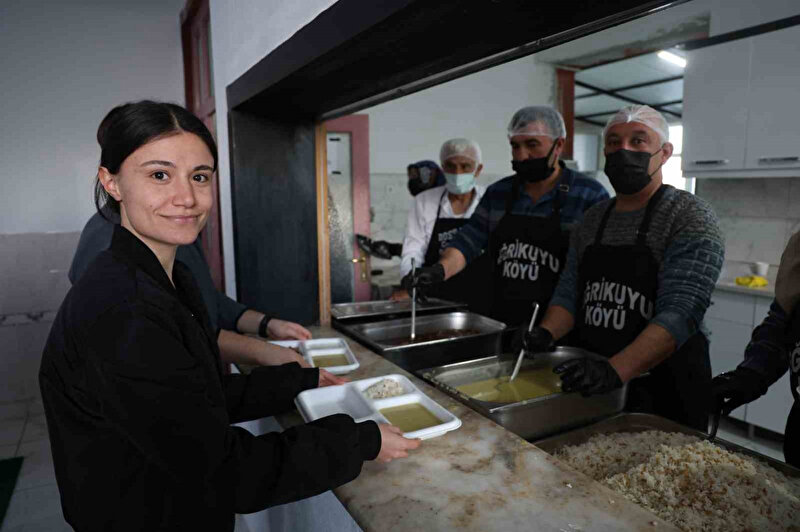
<point x="349" y="399"/>
<point x="329" y="346"/>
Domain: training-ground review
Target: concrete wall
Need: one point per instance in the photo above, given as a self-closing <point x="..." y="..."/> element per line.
<point x="65" y="65"/>
<point x="242" y="33"/>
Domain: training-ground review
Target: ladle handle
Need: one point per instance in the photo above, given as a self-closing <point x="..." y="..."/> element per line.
<point x="522" y="351"/>
<point x="413" y="302"/>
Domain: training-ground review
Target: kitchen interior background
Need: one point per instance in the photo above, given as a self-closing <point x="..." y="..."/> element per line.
<point x="50" y="154"/>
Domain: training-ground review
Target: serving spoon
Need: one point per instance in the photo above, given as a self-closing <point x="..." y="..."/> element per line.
<point x="522" y="350"/>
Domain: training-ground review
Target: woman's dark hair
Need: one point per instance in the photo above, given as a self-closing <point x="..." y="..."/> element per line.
<point x="128" y="127"/>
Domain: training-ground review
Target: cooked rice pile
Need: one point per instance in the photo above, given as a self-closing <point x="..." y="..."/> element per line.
<point x="384" y="388"/>
<point x="690" y="482"/>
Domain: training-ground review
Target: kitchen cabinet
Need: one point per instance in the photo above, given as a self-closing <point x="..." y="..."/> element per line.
<point x="726" y="350"/>
<point x="715" y="99"/>
<point x="773" y="138"/>
<point x="772" y="410"/>
<point x="740" y="107"/>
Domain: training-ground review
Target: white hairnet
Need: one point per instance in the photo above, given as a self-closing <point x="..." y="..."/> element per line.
<point x="463" y="147"/>
<point x="537" y="120"/>
<point x="642" y="114"/>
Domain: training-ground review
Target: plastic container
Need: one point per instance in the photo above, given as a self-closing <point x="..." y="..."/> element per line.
<point x="350" y="399"/>
<point x="320" y="347"/>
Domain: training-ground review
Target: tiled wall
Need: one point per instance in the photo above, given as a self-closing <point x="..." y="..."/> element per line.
<point x="33" y="282"/>
<point x="757" y="215"/>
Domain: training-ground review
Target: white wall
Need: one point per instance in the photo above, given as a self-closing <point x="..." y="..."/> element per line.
<point x="242" y="33"/>
<point x="64" y="66"/>
<point x="732" y="15"/>
<point x="477" y="106"/>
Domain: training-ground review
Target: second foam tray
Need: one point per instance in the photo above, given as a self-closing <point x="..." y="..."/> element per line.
<point x="350" y="399"/>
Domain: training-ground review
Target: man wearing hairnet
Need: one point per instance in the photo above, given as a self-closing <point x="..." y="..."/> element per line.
<point x="523" y="221"/>
<point x="773" y="349"/>
<point x="436" y="217"/>
<point x="639" y="275"/>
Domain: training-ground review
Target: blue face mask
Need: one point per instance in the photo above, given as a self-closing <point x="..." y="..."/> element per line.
<point x="459" y="183"/>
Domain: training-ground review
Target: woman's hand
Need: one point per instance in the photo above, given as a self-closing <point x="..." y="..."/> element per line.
<point x="287" y="330"/>
<point x="393" y="444"/>
<point x="326" y="378"/>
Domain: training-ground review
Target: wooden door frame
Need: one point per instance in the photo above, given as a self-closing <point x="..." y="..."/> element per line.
<point x="194" y="14"/>
<point x="358" y="128"/>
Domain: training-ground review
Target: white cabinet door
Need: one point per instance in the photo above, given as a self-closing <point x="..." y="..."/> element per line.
<point x="731" y="306"/>
<point x="715" y="103"/>
<point x="771" y="410"/>
<point x="726" y="348"/>
<point x="762" y="309"/>
<point x="773" y="136"/>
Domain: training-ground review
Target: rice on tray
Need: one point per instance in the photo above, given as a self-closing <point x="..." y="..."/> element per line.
<point x="690" y="482"/>
<point x="384" y="388"/>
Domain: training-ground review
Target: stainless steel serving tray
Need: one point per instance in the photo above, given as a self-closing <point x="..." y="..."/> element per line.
<point x="375" y="309"/>
<point x="382" y="336"/>
<point x="633" y="422"/>
<point x="533" y="418"/>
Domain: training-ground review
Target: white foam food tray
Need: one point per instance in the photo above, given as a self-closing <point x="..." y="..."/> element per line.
<point x="329" y="346"/>
<point x="350" y="399"/>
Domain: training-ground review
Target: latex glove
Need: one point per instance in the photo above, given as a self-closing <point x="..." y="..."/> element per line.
<point x="287" y="330"/>
<point x="588" y="375"/>
<point x="393" y="444"/>
<point x="736" y="388"/>
<point x="326" y="378"/>
<point x="423" y="278"/>
<point x="752" y="281"/>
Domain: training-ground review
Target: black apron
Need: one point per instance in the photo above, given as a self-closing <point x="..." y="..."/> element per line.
<point x="791" y="436"/>
<point x="527" y="256"/>
<point x="470" y="285"/>
<point x="619" y="286"/>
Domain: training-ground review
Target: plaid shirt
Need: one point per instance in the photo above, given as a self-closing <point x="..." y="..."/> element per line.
<point x="474" y="236"/>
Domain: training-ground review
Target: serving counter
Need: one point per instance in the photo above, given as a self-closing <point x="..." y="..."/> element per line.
<point x="479" y="477"/>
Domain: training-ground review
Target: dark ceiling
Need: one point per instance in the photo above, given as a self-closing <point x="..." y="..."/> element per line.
<point x="356" y="49"/>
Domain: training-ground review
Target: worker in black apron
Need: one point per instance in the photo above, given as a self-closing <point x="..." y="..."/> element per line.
<point x="678" y="387"/>
<point x="467" y="286"/>
<point x="521" y="221"/>
<point x="773" y="349"/>
<point x="607" y="298"/>
<point x="526" y="255"/>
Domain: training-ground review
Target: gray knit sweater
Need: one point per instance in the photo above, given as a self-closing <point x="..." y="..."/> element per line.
<point x="685" y="239"/>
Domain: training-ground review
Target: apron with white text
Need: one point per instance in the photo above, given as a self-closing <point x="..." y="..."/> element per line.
<point x="527" y="256"/>
<point x="618" y="287"/>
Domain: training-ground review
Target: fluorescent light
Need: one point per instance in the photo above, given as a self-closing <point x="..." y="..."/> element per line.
<point x="672" y="58"/>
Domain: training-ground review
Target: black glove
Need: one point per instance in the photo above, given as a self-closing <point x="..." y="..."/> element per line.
<point x="536" y="341"/>
<point x="735" y="388"/>
<point x="423" y="278"/>
<point x="588" y="375"/>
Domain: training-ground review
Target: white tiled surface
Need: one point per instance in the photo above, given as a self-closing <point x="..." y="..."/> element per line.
<point x="757" y="215"/>
<point x="35" y="505"/>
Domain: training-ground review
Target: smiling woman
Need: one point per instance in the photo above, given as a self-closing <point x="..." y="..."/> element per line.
<point x="138" y="408"/>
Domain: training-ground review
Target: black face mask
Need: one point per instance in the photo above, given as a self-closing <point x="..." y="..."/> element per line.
<point x="415" y="186"/>
<point x="627" y="170"/>
<point x="534" y="170"/>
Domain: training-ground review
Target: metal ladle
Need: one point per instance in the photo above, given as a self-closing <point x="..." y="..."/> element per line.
<point x="522" y="351"/>
<point x="413" y="302"/>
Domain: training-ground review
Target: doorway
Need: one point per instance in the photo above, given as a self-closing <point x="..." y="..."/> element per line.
<point x="347" y="146"/>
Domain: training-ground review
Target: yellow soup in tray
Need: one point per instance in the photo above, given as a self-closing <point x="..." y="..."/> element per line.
<point x="327" y="361"/>
<point x="410" y="417"/>
<point x="529" y="384"/>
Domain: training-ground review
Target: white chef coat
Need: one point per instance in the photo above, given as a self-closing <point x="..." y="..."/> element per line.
<point x="422" y="218"/>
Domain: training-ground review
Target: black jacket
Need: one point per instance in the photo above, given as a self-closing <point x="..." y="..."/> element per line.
<point x="139" y="412"/>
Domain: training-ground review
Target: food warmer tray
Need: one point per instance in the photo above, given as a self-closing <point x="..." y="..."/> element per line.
<point x="382" y="337"/>
<point x="533" y="418"/>
<point x="388" y="309"/>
